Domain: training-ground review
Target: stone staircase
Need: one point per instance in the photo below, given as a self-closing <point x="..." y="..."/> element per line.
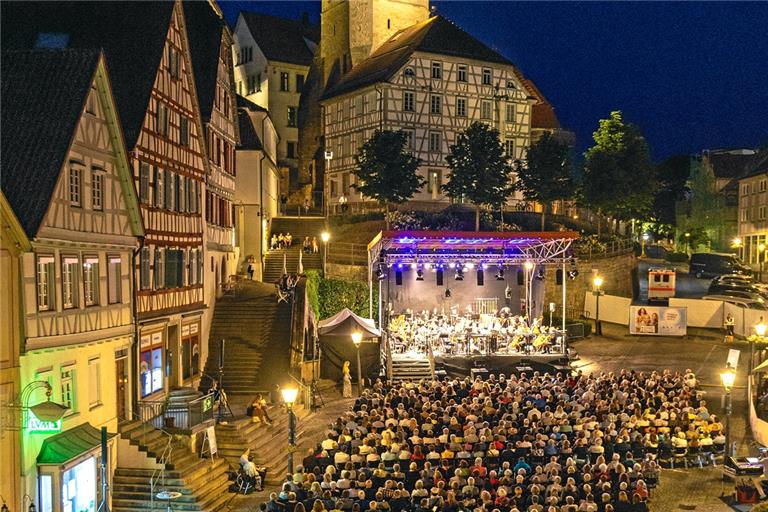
<point x="409" y="368"/>
<point x="255" y="329"/>
<point x="203" y="483"/>
<point x="298" y="228"/>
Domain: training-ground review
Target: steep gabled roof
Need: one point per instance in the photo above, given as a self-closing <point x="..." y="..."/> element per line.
<point x="434" y="35"/>
<point x="728" y="165"/>
<point x="243" y="102"/>
<point x="282" y="39"/>
<point x="758" y="164"/>
<point x="131" y="34"/>
<point x="542" y="113"/>
<point x="249" y="139"/>
<point x="204" y="31"/>
<point x="43" y="95"/>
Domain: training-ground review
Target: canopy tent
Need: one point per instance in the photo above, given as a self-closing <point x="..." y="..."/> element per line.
<point x="345" y="322"/>
<point x="336" y="341"/>
<point x="762" y="367"/>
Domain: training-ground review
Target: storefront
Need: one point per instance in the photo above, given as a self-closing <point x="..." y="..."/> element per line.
<point x="152" y="362"/>
<point x="69" y="476"/>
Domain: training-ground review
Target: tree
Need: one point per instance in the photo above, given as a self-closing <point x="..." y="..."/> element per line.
<point x="547" y="173"/>
<point x="672" y="175"/>
<point x="479" y="170"/>
<point x="385" y="171"/>
<point x="617" y="176"/>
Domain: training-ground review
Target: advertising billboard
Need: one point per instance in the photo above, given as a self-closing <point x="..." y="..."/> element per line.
<point x="657" y="321"/>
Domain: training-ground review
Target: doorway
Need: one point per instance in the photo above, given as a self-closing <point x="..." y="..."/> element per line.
<point x="121" y="377"/>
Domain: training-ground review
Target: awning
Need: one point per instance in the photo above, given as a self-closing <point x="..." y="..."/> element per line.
<point x="762" y="367"/>
<point x="345" y="322"/>
<point x="63" y="447"/>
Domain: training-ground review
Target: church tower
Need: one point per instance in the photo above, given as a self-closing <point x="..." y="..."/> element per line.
<point x="353" y="29"/>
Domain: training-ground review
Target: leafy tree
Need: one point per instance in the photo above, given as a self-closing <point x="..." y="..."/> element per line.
<point x="479" y="170"/>
<point x="693" y="238"/>
<point x="385" y="171"/>
<point x="704" y="208"/>
<point x="617" y="176"/>
<point x="672" y="175"/>
<point x="547" y="174"/>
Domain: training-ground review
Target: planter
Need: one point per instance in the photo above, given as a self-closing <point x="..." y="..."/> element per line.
<point x="746" y="496"/>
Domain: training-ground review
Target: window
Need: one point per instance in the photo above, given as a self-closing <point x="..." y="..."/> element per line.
<point x="181" y="200"/>
<point x="761" y="213"/>
<point x="485" y="110"/>
<point x="189" y="187"/>
<point x="46" y="275"/>
<point x="68" y="387"/>
<point x="409" y="101"/>
<point x="114" y="280"/>
<point x="159" y="276"/>
<point x="334" y="188"/>
<point x="75" y="186"/>
<point x="744" y="216"/>
<point x="184" y="131"/>
<point x="510" y="113"/>
<point x="151" y="363"/>
<point x="290" y="149"/>
<point x="762" y="185"/>
<point x="299" y="82"/>
<point x="408" y="73"/>
<point x="162" y="119"/>
<point x="284" y="86"/>
<point x="511" y="84"/>
<point x="94" y="382"/>
<point x="437" y="70"/>
<point x="158" y="187"/>
<point x="174" y="62"/>
<point x="461" y="73"/>
<point x="292" y="112"/>
<point x="487" y="76"/>
<point x="253" y="83"/>
<point x="97" y="189"/>
<point x="69" y="282"/>
<point x="461" y="107"/>
<point x="91" y="280"/>
<point x="434" y="141"/>
<point x="144" y="182"/>
<point x="345" y="183"/>
<point x="190" y="350"/>
<point x="144" y="268"/>
<point x="509" y="148"/>
<point x="436" y="104"/>
<point x="410" y="142"/>
<point x="192" y="270"/>
<point x="174" y="268"/>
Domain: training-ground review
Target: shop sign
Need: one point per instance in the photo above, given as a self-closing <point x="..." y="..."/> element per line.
<point x="34" y="424"/>
<point x="658" y="321"/>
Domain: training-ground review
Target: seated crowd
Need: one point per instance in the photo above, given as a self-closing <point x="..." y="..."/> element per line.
<point x="540" y="442"/>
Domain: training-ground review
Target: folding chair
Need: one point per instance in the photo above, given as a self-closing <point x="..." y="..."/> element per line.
<point x="680" y="454"/>
<point x="282" y="295"/>
<point x="694" y="455"/>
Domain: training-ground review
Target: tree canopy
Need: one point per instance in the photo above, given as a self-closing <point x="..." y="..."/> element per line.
<point x="547" y="173"/>
<point x="385" y="171"/>
<point x="480" y="172"/>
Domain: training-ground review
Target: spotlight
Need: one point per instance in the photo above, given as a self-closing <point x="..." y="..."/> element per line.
<point x="508" y="292"/>
<point x="400" y="266"/>
<point x="573" y="273"/>
<point x="413" y="265"/>
<point x="470" y="266"/>
<point x="380" y="273"/>
<point x="500" y="273"/>
<point x="419" y="275"/>
<point x="459" y="274"/>
<point x="451" y="265"/>
<point x="540" y="275"/>
<point x="427" y="266"/>
<point x="447" y="293"/>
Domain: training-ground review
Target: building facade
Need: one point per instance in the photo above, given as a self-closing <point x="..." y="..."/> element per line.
<point x="753" y="213"/>
<point x="73" y="195"/>
<point x="431" y="80"/>
<point x="211" y="50"/>
<point x="257" y="193"/>
<point x="272" y="60"/>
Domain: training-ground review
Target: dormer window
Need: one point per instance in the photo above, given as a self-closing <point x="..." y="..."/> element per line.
<point x="511" y="84"/>
<point x="409" y="73"/>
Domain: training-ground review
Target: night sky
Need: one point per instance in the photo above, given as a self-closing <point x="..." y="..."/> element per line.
<point x="692" y="75"/>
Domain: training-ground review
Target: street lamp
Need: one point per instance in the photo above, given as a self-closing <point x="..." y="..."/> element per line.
<point x="728" y="377"/>
<point x="357" y="338"/>
<point x="32" y="507"/>
<point x="289" y="397"/>
<point x="760" y="330"/>
<point x="643" y="239"/>
<point x="761" y="259"/>
<point x="325" y="236"/>
<point x="688" y="241"/>
<point x="597" y="281"/>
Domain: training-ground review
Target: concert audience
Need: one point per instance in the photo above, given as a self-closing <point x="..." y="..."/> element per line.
<point x="536" y="442"/>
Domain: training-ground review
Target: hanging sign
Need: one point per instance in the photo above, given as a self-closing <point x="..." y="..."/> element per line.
<point x="34" y="424"/>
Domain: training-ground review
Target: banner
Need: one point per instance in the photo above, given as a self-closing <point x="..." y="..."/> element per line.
<point x="658" y="321"/>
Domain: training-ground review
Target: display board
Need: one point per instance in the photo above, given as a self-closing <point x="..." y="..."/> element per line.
<point x="658" y="321"/>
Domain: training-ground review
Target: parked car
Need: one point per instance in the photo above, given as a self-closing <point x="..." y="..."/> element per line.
<point x="742" y="292"/>
<point x="728" y="288"/>
<point x="734" y="278"/>
<point x="738" y="301"/>
<point x="656" y="251"/>
<point x="711" y="264"/>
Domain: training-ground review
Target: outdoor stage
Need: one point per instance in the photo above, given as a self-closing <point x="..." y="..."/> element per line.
<point x="466" y="301"/>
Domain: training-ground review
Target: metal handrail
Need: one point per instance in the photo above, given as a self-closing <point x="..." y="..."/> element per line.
<point x="348" y="252"/>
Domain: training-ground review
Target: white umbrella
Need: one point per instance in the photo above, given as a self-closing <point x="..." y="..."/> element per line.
<point x="285" y="264"/>
<point x="300" y="269"/>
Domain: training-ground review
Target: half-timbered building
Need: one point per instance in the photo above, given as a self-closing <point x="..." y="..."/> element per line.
<point x="147" y="50"/>
<point x="66" y="176"/>
<point x="430" y="80"/>
<point x="211" y="49"/>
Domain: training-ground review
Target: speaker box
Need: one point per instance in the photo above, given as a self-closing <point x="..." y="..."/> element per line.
<point x="399" y="277"/>
<point x="520" y="278"/>
<point x="439" y="275"/>
<point x="480" y="277"/>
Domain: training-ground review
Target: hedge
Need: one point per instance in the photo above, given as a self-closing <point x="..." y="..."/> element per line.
<point x="329" y="296"/>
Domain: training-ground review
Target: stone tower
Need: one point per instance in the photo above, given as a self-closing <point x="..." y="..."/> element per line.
<point x="352" y="29"/>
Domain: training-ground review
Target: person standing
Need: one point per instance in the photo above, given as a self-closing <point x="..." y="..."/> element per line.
<point x="729" y="325"/>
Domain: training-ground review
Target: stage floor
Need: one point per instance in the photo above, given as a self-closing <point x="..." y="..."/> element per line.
<point x="463" y="365"/>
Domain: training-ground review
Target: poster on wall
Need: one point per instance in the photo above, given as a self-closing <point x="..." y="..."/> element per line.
<point x="658" y="321"/>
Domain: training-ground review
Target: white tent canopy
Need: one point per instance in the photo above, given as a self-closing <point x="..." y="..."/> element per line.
<point x="345" y="322"/>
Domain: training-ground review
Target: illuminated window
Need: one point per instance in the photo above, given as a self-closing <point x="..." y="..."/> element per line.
<point x="75" y="186"/>
<point x="69" y="282"/>
<point x="97" y="189"/>
<point x="461" y="73"/>
<point x="68" y="388"/>
<point x="437" y="70"/>
<point x="151" y="363"/>
<point x="487" y="76"/>
<point x="510" y="113"/>
<point x="284" y="86"/>
<point x="46" y="269"/>
<point x="91" y="280"/>
<point x="114" y="280"/>
<point x="94" y="382"/>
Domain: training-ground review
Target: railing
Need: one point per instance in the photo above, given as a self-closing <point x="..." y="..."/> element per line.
<point x="348" y="253"/>
<point x="605" y="249"/>
<point x="177" y="415"/>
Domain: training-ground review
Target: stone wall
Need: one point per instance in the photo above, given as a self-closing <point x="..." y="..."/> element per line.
<point x="617" y="273"/>
<point x="347" y="272"/>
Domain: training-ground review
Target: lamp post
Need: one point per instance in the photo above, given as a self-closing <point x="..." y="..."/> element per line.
<point x="643" y="240"/>
<point x="357" y="338"/>
<point x="761" y="259"/>
<point x="325" y="236"/>
<point x="688" y="241"/>
<point x="728" y="377"/>
<point x="289" y="397"/>
<point x="736" y="244"/>
<point x="597" y="282"/>
<point x="760" y="330"/>
<point x="528" y="278"/>
<point x="32" y="507"/>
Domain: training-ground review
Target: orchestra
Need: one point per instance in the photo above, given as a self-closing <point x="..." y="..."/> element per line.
<point x="500" y="333"/>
